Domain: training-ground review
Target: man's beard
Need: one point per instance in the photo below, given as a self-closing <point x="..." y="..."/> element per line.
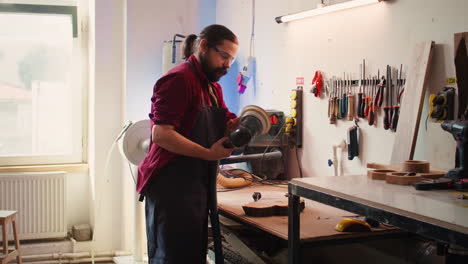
<point x="213" y="74"/>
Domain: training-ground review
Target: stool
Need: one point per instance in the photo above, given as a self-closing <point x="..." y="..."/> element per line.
<point x="7" y="255"/>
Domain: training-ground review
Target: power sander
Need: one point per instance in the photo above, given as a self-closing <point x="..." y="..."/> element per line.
<point x="459" y="131"/>
<point x="254" y="121"/>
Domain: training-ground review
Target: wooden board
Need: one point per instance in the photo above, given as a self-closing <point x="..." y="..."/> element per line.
<point x="411" y="106"/>
<point x="461" y="68"/>
<point x="380" y="166"/>
<point x="317" y="220"/>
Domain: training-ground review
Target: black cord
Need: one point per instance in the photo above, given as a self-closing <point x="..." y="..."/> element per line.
<point x="426" y="120"/>
<point x="270" y="145"/>
<point x="298" y="162"/>
<point x="131" y="172"/>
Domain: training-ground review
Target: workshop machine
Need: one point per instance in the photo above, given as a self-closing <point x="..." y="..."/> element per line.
<point x="260" y="141"/>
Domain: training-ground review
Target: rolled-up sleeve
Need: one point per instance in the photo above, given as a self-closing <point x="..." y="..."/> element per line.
<point x="170" y="100"/>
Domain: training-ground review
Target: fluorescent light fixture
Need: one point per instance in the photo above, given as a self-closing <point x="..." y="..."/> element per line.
<point x="326" y="9"/>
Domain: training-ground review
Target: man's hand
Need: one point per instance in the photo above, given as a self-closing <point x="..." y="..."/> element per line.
<point x="218" y="151"/>
<point x="232" y="125"/>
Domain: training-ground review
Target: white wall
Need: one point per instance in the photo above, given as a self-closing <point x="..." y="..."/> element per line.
<point x="106" y="117"/>
<point x="149" y="24"/>
<point x="335" y="43"/>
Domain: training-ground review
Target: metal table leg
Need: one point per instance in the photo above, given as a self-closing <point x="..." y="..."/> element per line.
<point x="293" y="229"/>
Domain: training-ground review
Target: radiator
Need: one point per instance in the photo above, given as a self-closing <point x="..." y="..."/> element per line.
<point x="39" y="199"/>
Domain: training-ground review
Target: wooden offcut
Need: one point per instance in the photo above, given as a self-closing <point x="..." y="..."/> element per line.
<point x="269" y="207"/>
<point x="412" y="103"/>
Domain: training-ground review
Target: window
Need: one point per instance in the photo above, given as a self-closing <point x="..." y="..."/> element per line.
<point x="41" y="92"/>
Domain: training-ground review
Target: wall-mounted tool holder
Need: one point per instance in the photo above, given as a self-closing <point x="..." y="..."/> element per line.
<point x="442" y="104"/>
<point x="293" y="127"/>
<point x="351" y="98"/>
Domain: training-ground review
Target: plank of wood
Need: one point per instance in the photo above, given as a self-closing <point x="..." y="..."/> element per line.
<point x="461" y="68"/>
<point x="380" y="166"/>
<point x="269" y="207"/>
<point x="411" y="106"/>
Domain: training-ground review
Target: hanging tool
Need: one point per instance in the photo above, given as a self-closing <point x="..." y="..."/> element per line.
<point x="368" y="98"/>
<point x="353" y="142"/>
<point x="332" y="103"/>
<point x="336" y="100"/>
<point x="388" y="81"/>
<point x="317" y="84"/>
<point x="392" y="96"/>
<point x="396" y="107"/>
<point x="371" y="117"/>
<point x="360" y="94"/>
<point x="344" y="101"/>
<point x="364" y="97"/>
<point x="380" y="92"/>
<point x="350" y="100"/>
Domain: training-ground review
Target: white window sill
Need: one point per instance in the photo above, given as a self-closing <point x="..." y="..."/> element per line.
<point x="71" y="168"/>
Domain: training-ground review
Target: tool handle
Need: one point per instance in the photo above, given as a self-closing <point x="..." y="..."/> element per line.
<point x="390" y="116"/>
<point x="380" y="96"/>
<point x="371" y="116"/>
<point x="363" y="107"/>
<point x="350" y="107"/>
<point x="336" y="105"/>
<point x="367" y="108"/>
<point x="400" y="95"/>
<point x="396" y="115"/>
<point x="344" y="105"/>
<point x="385" y="119"/>
<point x="330" y="107"/>
<point x="338" y="115"/>
<point x="359" y="113"/>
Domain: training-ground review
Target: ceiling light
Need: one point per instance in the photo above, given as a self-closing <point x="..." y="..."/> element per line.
<point x="325" y="9"/>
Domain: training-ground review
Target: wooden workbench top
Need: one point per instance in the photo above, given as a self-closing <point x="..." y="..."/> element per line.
<point x="317" y="220"/>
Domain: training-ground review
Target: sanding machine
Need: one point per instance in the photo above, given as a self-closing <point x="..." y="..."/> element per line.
<point x="260" y="140"/>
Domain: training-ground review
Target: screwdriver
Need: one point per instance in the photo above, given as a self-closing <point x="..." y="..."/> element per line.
<point x="396" y="108"/>
<point x="371" y="117"/>
<point x="330" y="102"/>
<point x="368" y="99"/>
<point x="338" y="103"/>
<point x="380" y="86"/>
<point x="386" y="121"/>
<point x="359" y="112"/>
<point x="344" y="101"/>
<point x="350" y="101"/>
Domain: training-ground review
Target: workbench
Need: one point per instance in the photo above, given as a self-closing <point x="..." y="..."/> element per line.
<point x="318" y="221"/>
<point x="440" y="215"/>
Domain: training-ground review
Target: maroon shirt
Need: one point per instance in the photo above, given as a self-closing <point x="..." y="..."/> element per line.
<point x="176" y="101"/>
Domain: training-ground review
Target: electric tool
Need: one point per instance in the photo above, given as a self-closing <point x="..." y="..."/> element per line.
<point x="254" y="121"/>
<point x="459" y="131"/>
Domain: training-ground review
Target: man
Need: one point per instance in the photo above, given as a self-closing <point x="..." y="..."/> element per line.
<point x="189" y="123"/>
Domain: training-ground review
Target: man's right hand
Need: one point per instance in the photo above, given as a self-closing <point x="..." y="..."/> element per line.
<point x="218" y="151"/>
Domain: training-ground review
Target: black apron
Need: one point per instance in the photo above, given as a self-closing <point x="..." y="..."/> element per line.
<point x="180" y="197"/>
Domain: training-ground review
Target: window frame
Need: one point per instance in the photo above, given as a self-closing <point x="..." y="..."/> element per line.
<point x="80" y="155"/>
